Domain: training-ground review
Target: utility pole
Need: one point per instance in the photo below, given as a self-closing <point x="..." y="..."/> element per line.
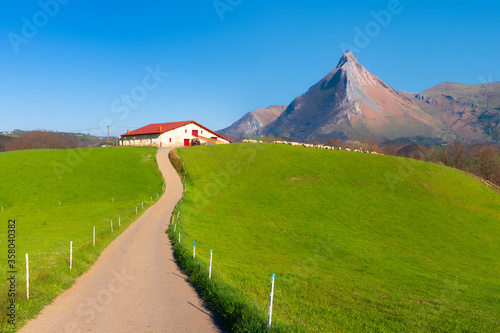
<point x="108" y="135"/>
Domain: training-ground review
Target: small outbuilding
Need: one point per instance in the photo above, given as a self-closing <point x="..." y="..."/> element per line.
<point x="181" y="133"/>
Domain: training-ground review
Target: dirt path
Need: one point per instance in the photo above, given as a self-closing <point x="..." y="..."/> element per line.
<point x="135" y="285"/>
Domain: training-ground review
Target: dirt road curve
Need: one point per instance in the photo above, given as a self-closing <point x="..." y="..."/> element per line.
<point x="135" y="285"/>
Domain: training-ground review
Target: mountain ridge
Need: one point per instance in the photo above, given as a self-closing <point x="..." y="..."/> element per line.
<point x="351" y="103"/>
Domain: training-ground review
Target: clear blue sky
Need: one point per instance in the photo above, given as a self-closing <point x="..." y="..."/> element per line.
<point x="69" y="68"/>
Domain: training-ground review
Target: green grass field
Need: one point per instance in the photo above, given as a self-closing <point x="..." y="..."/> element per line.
<point x="94" y="186"/>
<point x="358" y="242"/>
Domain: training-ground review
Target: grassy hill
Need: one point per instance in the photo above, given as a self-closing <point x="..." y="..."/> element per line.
<point x="358" y="242"/>
<point x="94" y="186"/>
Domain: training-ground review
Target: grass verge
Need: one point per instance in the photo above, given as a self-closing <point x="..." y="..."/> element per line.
<point x="237" y="311"/>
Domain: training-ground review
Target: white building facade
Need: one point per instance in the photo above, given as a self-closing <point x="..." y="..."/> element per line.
<point x="172" y="135"/>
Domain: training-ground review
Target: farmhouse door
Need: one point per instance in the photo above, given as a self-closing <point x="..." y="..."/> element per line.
<point x="195" y="133"/>
<point x="186" y="142"/>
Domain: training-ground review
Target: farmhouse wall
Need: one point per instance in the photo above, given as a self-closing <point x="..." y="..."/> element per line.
<point x="173" y="138"/>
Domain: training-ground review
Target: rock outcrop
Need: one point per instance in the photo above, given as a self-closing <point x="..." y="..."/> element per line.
<point x="252" y="122"/>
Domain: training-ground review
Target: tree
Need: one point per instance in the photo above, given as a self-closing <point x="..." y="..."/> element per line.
<point x="373" y="146"/>
<point x="389" y="148"/>
<point x="456" y="153"/>
<point x="333" y="142"/>
<point x="3" y="141"/>
<point x="438" y="155"/>
<point x="489" y="165"/>
<point x="416" y="151"/>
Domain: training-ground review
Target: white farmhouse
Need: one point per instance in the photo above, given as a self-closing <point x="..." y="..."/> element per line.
<point x="181" y="133"/>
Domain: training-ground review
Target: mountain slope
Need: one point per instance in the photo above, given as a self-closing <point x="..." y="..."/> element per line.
<point x="253" y="121"/>
<point x="472" y="112"/>
<point x="350" y="102"/>
<point x="486" y="95"/>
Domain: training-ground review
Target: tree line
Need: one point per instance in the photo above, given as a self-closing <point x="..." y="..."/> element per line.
<point x="482" y="160"/>
<point x="39" y="140"/>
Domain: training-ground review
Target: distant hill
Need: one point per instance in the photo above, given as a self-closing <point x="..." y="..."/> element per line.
<point x="487" y="92"/>
<point x="19" y="140"/>
<point x="350" y="103"/>
<point x="471" y="112"/>
<point x="253" y="121"/>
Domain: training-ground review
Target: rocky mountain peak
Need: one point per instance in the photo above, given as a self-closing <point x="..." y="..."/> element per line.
<point x="347" y="56"/>
<point x="350" y="102"/>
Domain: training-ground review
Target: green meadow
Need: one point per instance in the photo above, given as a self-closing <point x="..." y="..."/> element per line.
<point x="358" y="242"/>
<point x="94" y="187"/>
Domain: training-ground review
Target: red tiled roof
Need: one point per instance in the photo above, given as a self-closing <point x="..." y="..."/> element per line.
<point x="161" y="128"/>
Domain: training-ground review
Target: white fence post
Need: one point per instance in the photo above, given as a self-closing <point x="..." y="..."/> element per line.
<point x="135" y="210"/>
<point x="210" y="269"/>
<point x="194" y="249"/>
<point x="179" y="236"/>
<point x="271" y="302"/>
<point x="151" y="198"/>
<point x="71" y="255"/>
<point x="119" y="221"/>
<point x="27" y="278"/>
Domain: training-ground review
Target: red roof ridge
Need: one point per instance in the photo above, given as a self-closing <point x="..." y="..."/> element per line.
<point x="160" y="128"/>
